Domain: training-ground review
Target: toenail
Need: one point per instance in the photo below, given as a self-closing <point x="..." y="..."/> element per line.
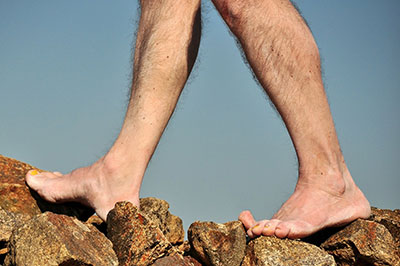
<point x="266" y="226"/>
<point x="34" y="172"/>
<point x="254" y="227"/>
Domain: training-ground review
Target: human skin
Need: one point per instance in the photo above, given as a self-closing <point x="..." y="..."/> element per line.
<point x="285" y="59"/>
<point x="167" y="43"/>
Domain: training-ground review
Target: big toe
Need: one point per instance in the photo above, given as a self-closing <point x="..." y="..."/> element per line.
<point x="34" y="179"/>
<point x="44" y="183"/>
<point x="247" y="219"/>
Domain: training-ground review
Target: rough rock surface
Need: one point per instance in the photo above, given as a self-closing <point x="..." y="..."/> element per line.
<point x="176" y="260"/>
<point x="218" y="244"/>
<point x="170" y="225"/>
<point x="98" y="223"/>
<point x="9" y="221"/>
<point x="363" y="243"/>
<point x="273" y="251"/>
<point x="52" y="239"/>
<point x="16" y="197"/>
<point x="391" y="220"/>
<point x="184" y="248"/>
<point x="136" y="239"/>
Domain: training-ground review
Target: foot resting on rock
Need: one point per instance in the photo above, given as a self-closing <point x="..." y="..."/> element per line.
<point x="98" y="186"/>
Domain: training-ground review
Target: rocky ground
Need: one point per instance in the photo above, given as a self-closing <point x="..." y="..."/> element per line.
<point x="34" y="232"/>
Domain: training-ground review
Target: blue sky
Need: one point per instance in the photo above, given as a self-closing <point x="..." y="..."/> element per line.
<point x="65" y="74"/>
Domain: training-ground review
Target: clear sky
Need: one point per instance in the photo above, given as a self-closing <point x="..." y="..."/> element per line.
<point x="64" y="79"/>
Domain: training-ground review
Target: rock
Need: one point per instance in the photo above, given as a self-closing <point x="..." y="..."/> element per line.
<point x="271" y="251"/>
<point x="9" y="221"/>
<point x="177" y="260"/>
<point x="391" y="220"/>
<point x="192" y="260"/>
<point x="363" y="243"/>
<point x="218" y="244"/>
<point x="16" y="197"/>
<point x="184" y="248"/>
<point x="136" y="239"/>
<point x="52" y="239"/>
<point x="170" y="225"/>
<point x="98" y="223"/>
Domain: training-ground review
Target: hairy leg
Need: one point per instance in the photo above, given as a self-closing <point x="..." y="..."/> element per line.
<point x="166" y="48"/>
<point x="284" y="57"/>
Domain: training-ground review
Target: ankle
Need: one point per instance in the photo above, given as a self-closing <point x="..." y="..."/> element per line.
<point x="117" y="163"/>
<point x="334" y="179"/>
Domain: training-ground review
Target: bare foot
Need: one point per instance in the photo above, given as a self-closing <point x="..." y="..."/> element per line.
<point x="312" y="207"/>
<point x="99" y="186"/>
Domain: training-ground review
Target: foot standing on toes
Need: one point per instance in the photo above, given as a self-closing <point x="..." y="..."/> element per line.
<point x="285" y="59"/>
<point x="309" y="210"/>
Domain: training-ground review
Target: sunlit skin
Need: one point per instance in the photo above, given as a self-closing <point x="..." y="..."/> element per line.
<point x="284" y="57"/>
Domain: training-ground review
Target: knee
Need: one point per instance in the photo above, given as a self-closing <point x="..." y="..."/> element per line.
<point x="230" y="10"/>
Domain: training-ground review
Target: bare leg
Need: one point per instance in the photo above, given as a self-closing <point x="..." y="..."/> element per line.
<point x="166" y="49"/>
<point x="283" y="55"/>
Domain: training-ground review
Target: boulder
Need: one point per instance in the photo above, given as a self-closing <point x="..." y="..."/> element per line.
<point x="169" y="224"/>
<point x="52" y="239"/>
<point x="363" y="243"/>
<point x="391" y="220"/>
<point x="177" y="260"/>
<point x="16" y="197"/>
<point x="271" y="251"/>
<point x="218" y="244"/>
<point x="136" y="239"/>
<point x="9" y="221"/>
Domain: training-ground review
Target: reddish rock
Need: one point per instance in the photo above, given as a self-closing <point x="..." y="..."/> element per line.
<point x="272" y="251"/>
<point x="169" y="224"/>
<point x="16" y="197"/>
<point x="177" y="260"/>
<point x="192" y="260"/>
<point x="391" y="220"/>
<point x="363" y="243"/>
<point x="218" y="244"/>
<point x="136" y="239"/>
<point x="52" y="239"/>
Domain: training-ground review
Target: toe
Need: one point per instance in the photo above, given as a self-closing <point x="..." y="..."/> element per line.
<point x="269" y="227"/>
<point x="250" y="233"/>
<point x="33" y="178"/>
<point x="282" y="230"/>
<point x="57" y="173"/>
<point x="259" y="227"/>
<point x="294" y="229"/>
<point x="247" y="219"/>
